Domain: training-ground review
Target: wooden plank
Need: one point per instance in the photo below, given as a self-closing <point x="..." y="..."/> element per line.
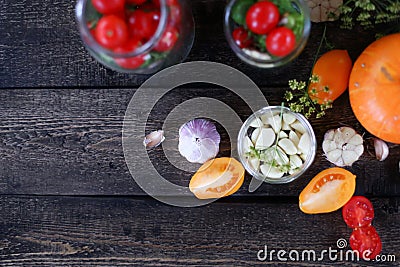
<point x="78" y="231"/>
<point x="40" y="47"/>
<point x="55" y="141"/>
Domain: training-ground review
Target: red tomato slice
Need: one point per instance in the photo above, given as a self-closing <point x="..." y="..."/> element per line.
<point x="358" y="212"/>
<point x="367" y="242"/>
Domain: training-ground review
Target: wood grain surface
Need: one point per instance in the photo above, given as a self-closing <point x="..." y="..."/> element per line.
<point x="85" y="231"/>
<point x="69" y="142"/>
<point x="67" y="197"/>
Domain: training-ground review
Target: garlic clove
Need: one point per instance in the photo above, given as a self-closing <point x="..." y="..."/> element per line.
<point x="349" y="157"/>
<point x="343" y="135"/>
<point x="255" y="134"/>
<point x="328" y="145"/>
<point x="298" y="126"/>
<point x="271" y="171"/>
<point x="329" y="135"/>
<point x="287" y="146"/>
<point x="295" y="161"/>
<point x="247" y="144"/>
<point x="256" y="123"/>
<point x="254" y="163"/>
<point x="265" y="139"/>
<point x="154" y="139"/>
<point x="276" y="123"/>
<point x="294" y="138"/>
<point x="334" y="155"/>
<point x="288" y="118"/>
<point x="265" y="117"/>
<point x="381" y="149"/>
<point x="356" y="140"/>
<point x="282" y="134"/>
<point x="286" y="127"/>
<point x="304" y="144"/>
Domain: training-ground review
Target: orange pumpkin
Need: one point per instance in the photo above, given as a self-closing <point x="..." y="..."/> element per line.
<point x="374" y="88"/>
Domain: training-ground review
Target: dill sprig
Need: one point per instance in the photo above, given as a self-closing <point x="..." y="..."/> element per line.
<point x="298" y="97"/>
<point x="368" y="12"/>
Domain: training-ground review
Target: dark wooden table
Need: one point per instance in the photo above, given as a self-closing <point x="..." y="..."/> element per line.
<point x="67" y="198"/>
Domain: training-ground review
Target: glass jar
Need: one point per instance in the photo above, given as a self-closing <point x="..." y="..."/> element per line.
<point x="141" y="51"/>
<point x="292" y="14"/>
<point x="247" y="130"/>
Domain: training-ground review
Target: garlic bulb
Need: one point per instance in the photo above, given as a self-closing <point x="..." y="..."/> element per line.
<point x="198" y="141"/>
<point x="343" y="146"/>
<point x="381" y="149"/>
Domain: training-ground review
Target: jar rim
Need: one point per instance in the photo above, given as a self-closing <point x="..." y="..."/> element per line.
<point x="264" y="63"/>
<point x="287" y="178"/>
<point x="80" y="11"/>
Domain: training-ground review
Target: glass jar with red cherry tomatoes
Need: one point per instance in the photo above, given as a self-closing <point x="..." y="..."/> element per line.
<point x="136" y="36"/>
<point x="267" y="33"/>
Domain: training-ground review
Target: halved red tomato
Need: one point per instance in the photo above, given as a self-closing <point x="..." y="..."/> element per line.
<point x="358" y="212"/>
<point x="217" y="178"/>
<point x="367" y="242"/>
<point x="328" y="191"/>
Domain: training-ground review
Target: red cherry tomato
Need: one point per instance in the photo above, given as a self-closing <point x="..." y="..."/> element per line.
<point x="108" y="6"/>
<point x="358" y="212"/>
<point x="130" y="62"/>
<point x="168" y="40"/>
<point x="142" y="25"/>
<point x="241" y="37"/>
<point x="155" y="16"/>
<point x="262" y="17"/>
<point x="366" y="241"/>
<point x="111" y="31"/>
<point x="135" y="2"/>
<point x="280" y="41"/>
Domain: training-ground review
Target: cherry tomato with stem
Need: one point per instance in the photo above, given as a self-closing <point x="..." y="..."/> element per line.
<point x="358" y="212"/>
<point x="130" y="62"/>
<point x="366" y="241"/>
<point x="262" y="17"/>
<point x="108" y="6"/>
<point x="111" y="31"/>
<point x="168" y="40"/>
<point x="280" y="41"/>
<point x="241" y="37"/>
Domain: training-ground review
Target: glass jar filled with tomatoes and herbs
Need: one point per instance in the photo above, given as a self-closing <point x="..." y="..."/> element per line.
<point x="267" y="33"/>
<point x="136" y="36"/>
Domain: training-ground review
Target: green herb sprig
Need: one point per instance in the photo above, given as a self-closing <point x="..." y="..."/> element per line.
<point x="369" y="12"/>
<point x="298" y="97"/>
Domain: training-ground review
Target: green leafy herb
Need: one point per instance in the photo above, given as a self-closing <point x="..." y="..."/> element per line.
<point x="239" y="10"/>
<point x="298" y="97"/>
<point x="369" y="12"/>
